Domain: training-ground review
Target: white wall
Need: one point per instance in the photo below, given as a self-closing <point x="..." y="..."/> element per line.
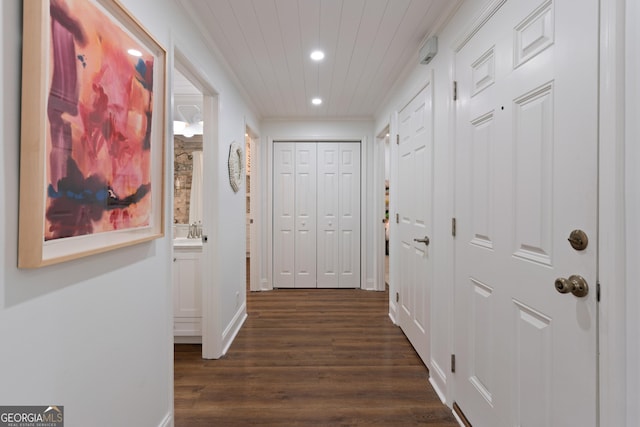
<point x="319" y="130"/>
<point x="415" y="79"/>
<point x="95" y="335"/>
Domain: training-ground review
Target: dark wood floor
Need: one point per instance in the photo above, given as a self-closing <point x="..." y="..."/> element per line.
<point x="309" y="358"/>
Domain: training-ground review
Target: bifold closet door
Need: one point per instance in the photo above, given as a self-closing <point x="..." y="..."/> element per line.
<point x="338" y="205"/>
<point x="294" y="215"/>
<point x="316" y="215"/>
<point x="283" y="215"/>
<point x="305" y="215"/>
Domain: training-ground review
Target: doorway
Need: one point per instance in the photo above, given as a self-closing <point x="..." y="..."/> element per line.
<point x="383" y="188"/>
<point x="195" y="293"/>
<point x="316" y="214"/>
<point x="252" y="185"/>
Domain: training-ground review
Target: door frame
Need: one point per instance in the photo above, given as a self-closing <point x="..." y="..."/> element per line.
<point x="211" y="324"/>
<point x="619" y="377"/>
<point x="378" y="205"/>
<point x="267" y="249"/>
<point x="255" y="230"/>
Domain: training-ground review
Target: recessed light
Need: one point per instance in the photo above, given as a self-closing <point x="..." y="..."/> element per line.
<point x="134" y="52"/>
<point x="316" y="101"/>
<point x="317" y="55"/>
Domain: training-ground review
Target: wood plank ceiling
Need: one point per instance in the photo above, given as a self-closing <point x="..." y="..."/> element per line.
<point x="368" y="44"/>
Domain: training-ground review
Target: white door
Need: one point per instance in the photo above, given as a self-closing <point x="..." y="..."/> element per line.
<point x="316" y="215"/>
<point x="338" y="215"/>
<point x="283" y="215"/>
<point x="328" y="215"/>
<point x="415" y="201"/>
<point x="348" y="200"/>
<point x="305" y="212"/>
<point x="526" y="176"/>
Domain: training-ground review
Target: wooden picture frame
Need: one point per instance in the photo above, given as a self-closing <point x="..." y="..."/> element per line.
<point x="92" y="132"/>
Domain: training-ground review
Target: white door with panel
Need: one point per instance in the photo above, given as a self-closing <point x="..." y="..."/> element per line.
<point x="316" y="211"/>
<point x="526" y="177"/>
<point x="415" y="202"/>
<point x="339" y="215"/>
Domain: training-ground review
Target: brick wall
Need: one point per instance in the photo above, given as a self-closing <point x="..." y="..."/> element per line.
<point x="183" y="170"/>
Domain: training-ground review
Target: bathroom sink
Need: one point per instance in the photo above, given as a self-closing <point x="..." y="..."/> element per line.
<point x="183" y="242"/>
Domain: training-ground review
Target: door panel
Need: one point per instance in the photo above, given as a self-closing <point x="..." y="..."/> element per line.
<point x="328" y="215"/>
<point x="415" y="199"/>
<point x="526" y="176"/>
<point x="349" y="196"/>
<point x="283" y="215"/>
<point x="305" y="205"/>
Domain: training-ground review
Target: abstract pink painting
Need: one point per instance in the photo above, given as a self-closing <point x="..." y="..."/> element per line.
<point x="99" y="113"/>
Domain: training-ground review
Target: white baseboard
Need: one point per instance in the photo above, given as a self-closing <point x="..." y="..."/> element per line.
<point x="437" y="389"/>
<point x="455" y="415"/>
<point x="233" y="328"/>
<point x="393" y="310"/>
<point x="184" y="339"/>
<point x="167" y="421"/>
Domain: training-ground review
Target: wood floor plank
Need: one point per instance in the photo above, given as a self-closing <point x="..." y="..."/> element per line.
<point x="309" y="358"/>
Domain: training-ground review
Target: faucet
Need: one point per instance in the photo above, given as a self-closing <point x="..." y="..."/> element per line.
<point x="192" y="231"/>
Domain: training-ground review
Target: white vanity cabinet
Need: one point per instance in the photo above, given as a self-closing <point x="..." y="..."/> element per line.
<point x="187" y="293"/>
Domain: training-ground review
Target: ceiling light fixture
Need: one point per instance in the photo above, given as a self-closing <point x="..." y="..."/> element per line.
<point x="316" y="101"/>
<point x="317" y="55"/>
<point x="191" y="121"/>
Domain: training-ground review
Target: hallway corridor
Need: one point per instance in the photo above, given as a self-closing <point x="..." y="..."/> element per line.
<point x="309" y="358"/>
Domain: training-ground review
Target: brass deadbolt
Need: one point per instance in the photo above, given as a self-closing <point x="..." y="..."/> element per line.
<point x="578" y="240"/>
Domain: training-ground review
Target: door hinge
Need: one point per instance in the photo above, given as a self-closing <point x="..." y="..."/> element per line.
<point x="597" y="291"/>
<point x="453" y="227"/>
<point x="397" y="296"/>
<point x="453" y="363"/>
<point x="397" y="139"/>
<point x="455" y="90"/>
<point x="397" y="218"/>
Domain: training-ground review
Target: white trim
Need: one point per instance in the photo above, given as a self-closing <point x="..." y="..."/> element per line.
<point x="211" y="336"/>
<point x="231" y="331"/>
<point x="451" y="181"/>
<point x="167" y="421"/>
<point x="365" y="230"/>
<point x="187" y="339"/>
<point x="631" y="324"/>
<point x="611" y="230"/>
<point x="437" y="389"/>
<point x="256" y="210"/>
<point x="485" y="14"/>
<point x="393" y="210"/>
<point x="378" y="182"/>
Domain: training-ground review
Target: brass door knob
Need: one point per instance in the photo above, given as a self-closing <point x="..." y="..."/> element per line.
<point x="574" y="284"/>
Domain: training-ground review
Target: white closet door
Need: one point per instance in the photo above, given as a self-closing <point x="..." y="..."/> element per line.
<point x="349" y="208"/>
<point x="305" y="212"/>
<point x="328" y="215"/>
<point x="316" y="215"/>
<point x="283" y="215"/>
<point x="338" y="215"/>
